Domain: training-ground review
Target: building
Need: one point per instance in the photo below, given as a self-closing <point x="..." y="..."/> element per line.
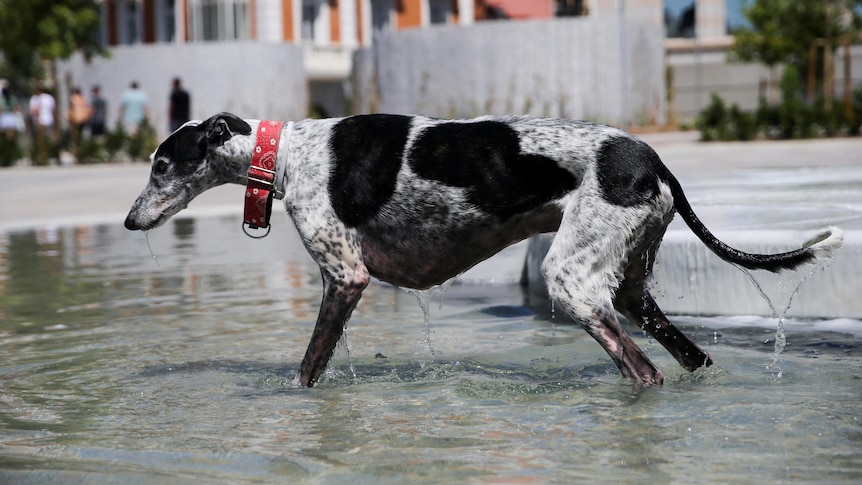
<point x="329" y="32"/>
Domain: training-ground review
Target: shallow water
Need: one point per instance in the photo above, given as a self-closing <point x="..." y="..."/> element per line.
<point x="115" y="369"/>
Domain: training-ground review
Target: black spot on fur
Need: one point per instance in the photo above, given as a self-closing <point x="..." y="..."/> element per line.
<point x="628" y="171"/>
<point x="368" y="150"/>
<point x="187" y="147"/>
<point x="485" y="158"/>
<point x="184" y="145"/>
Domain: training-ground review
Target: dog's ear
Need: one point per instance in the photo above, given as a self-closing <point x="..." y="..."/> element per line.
<point x="221" y="127"/>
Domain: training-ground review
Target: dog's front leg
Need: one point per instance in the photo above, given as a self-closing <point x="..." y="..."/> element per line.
<point x="341" y="293"/>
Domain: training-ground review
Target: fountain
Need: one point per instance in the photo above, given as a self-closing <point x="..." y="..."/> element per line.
<point x="763" y="211"/>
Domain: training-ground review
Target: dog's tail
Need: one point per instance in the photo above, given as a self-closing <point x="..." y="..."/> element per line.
<point x="819" y="247"/>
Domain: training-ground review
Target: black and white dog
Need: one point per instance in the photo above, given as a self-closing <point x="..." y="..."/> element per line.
<point x="416" y="201"/>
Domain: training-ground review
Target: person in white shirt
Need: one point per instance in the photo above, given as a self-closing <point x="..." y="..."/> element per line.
<point x="42" y="107"/>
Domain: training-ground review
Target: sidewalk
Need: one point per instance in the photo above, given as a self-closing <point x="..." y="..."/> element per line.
<point x="88" y="194"/>
<point x="36" y="196"/>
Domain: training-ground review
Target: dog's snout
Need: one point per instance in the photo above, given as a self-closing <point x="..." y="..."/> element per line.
<point x="131" y="224"/>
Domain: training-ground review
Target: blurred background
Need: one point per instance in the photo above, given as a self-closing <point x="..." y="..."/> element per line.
<point x="734" y="69"/>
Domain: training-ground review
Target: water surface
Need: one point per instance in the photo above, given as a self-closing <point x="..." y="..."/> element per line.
<point x="118" y="368"/>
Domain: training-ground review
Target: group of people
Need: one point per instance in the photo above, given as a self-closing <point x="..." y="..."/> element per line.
<point x="134" y="109"/>
<point x="83" y="115"/>
<point x="41" y="109"/>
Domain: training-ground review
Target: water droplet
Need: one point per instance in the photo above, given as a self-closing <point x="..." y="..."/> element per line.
<point x="147" y="238"/>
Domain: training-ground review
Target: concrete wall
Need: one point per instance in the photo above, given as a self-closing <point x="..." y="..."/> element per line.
<point x="252" y="80"/>
<point x="569" y="67"/>
<point x="698" y="74"/>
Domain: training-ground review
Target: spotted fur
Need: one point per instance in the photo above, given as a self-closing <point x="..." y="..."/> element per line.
<point x="416" y="201"/>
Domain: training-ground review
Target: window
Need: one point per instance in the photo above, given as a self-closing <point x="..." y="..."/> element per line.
<point x="439" y="11"/>
<point x="214" y="20"/>
<point x="166" y="24"/>
<point x="735" y="15"/>
<point x="381" y="14"/>
<point x="129" y="21"/>
<point x="310" y="12"/>
<point x="241" y="21"/>
<point x="209" y="20"/>
<point x="570" y="8"/>
<point x="679" y="18"/>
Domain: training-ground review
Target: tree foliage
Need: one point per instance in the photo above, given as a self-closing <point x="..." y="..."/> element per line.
<point x="46" y="30"/>
<point x="782" y="31"/>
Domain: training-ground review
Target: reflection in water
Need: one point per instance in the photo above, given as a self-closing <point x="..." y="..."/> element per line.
<point x="115" y="370"/>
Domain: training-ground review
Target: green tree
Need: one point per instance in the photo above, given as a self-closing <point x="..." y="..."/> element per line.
<point x="782" y="31"/>
<point x="33" y="32"/>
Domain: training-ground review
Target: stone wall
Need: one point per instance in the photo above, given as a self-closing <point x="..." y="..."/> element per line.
<point x="252" y="80"/>
<point x="568" y="67"/>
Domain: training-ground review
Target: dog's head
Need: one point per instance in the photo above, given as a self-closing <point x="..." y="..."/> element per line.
<point x="196" y="157"/>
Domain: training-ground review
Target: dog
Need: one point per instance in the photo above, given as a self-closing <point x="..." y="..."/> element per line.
<point x="416" y="201"/>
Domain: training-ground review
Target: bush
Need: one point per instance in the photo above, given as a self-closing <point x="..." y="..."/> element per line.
<point x="712" y="121"/>
<point x="142" y="144"/>
<point x="717" y="122"/>
<point x="743" y="126"/>
<point x="791" y="118"/>
<point x="854" y="121"/>
<point x="118" y="144"/>
<point x="10" y="151"/>
<point x="766" y="117"/>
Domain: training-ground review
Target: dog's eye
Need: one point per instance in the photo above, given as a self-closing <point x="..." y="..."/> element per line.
<point x="160" y="167"/>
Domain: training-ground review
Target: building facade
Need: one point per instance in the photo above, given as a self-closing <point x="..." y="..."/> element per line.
<point x="328" y="34"/>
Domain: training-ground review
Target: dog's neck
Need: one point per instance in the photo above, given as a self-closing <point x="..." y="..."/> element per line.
<point x="234" y="158"/>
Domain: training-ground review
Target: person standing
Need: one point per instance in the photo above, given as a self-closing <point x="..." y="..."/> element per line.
<point x="10" y="124"/>
<point x="134" y="108"/>
<point x="99" y="114"/>
<point x="79" y="113"/>
<point x="42" y="107"/>
<point x="9" y="114"/>
<point x="179" y="106"/>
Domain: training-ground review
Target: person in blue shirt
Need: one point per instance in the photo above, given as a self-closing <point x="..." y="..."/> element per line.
<point x="134" y="108"/>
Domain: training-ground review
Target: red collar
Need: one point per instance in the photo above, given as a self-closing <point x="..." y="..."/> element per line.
<point x="264" y="177"/>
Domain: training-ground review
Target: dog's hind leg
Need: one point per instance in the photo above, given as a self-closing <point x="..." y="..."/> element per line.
<point x="634" y="300"/>
<point x="583" y="268"/>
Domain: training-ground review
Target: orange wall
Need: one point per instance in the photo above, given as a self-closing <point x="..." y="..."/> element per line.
<point x="409" y="13"/>
<point x="184" y="22"/>
<point x="287" y="19"/>
<point x="360" y="33"/>
<point x="252" y="7"/>
<point x="334" y="21"/>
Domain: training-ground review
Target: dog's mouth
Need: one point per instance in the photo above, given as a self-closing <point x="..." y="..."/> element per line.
<point x="156" y="205"/>
<point x="133" y="224"/>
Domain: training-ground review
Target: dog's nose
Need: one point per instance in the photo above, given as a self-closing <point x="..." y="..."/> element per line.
<point x="131" y="224"/>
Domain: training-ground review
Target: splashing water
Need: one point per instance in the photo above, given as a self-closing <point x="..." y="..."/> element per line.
<point x="781" y="305"/>
<point x="424" y="298"/>
<point x="147" y="238"/>
<point x="343" y="342"/>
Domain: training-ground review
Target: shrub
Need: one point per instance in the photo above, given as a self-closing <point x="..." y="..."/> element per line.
<point x="854" y="121"/>
<point x="10" y="151"/>
<point x="143" y="142"/>
<point x="743" y="126"/>
<point x="791" y="118"/>
<point x="712" y="121"/>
